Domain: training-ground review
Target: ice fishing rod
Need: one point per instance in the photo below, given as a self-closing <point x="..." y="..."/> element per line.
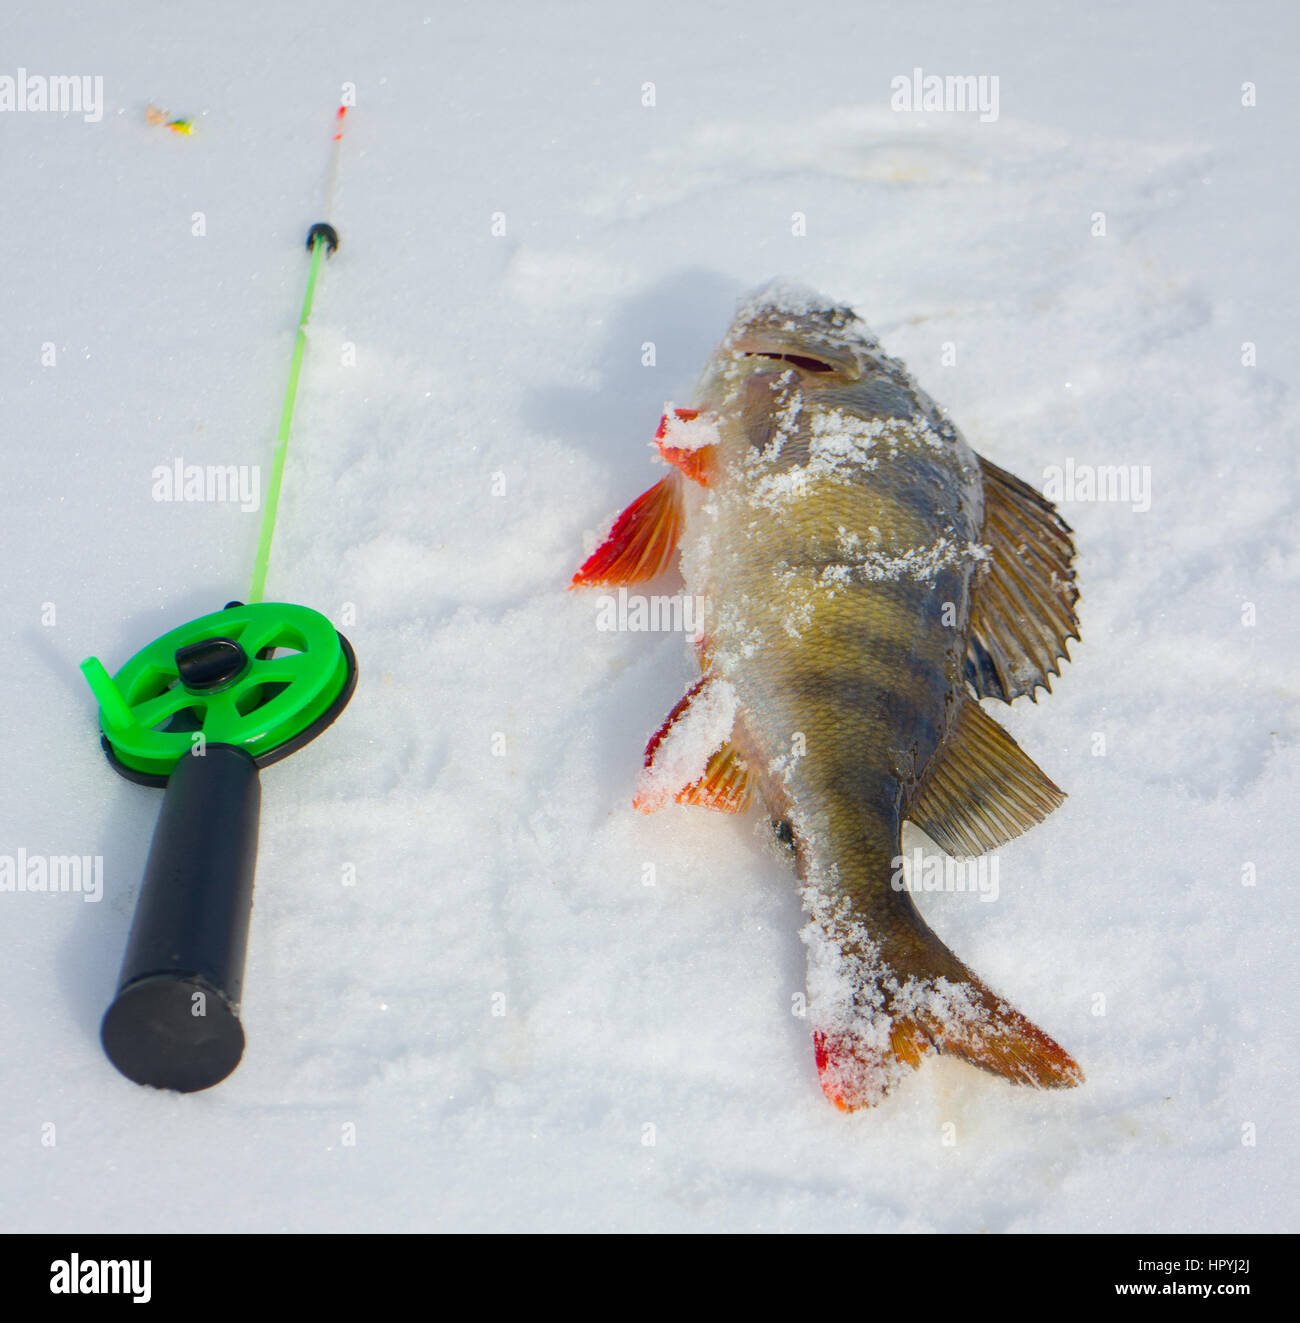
<point x="200" y="711"/>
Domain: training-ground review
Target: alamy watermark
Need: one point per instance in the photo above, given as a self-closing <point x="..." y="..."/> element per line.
<point x="77" y="1276"/>
<point x="59" y="94"/>
<point x="952" y="93"/>
<point x="52" y="874"/>
<point x="637" y="613"/>
<point x="1126" y="484"/>
<point x="179" y="481"/>
<point x="935" y="872"/>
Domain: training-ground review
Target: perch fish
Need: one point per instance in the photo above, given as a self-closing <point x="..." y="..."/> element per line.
<point x="867" y="579"/>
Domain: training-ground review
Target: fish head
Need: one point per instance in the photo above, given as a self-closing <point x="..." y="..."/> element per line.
<point x="791" y="351"/>
<point x="783" y="325"/>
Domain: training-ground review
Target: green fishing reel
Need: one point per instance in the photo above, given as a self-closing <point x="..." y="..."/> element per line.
<point x="199" y="711"/>
<point x="265" y="678"/>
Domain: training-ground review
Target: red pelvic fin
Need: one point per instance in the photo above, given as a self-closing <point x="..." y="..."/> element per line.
<point x="694" y="463"/>
<point x="724" y="785"/>
<point x="642" y="541"/>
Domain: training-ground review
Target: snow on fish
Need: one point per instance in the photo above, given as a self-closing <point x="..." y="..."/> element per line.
<point x="867" y="579"/>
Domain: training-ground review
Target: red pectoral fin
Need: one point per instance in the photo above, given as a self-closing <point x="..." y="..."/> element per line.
<point x="694" y="463"/>
<point x="642" y="541"/>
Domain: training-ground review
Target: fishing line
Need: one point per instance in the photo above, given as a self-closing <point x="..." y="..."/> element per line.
<point x="321" y="238"/>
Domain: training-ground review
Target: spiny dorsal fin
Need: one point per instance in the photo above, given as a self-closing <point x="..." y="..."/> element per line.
<point x="1022" y="611"/>
<point x="981" y="789"/>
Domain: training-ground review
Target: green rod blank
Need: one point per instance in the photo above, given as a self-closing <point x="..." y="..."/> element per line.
<point x="271" y="509"/>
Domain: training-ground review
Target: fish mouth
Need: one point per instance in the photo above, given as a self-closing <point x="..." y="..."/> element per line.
<point x="803" y="361"/>
<point x="815" y="360"/>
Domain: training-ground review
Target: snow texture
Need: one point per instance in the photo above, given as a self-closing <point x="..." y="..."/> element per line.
<point x="482" y="991"/>
<point x="688" y="434"/>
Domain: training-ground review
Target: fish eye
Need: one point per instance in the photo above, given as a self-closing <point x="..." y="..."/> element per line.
<point x="799" y="361"/>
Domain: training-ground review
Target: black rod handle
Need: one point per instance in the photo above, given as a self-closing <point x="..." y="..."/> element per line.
<point x="175" y="1020"/>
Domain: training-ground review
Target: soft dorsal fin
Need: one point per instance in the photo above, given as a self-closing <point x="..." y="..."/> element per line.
<point x="981" y="789"/>
<point x="1022" y="610"/>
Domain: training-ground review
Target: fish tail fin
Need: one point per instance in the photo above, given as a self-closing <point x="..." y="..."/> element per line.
<point x="880" y="1022"/>
<point x="987" y="1031"/>
<point x="964" y="1020"/>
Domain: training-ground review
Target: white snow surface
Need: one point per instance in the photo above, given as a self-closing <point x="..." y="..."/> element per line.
<point x="483" y="992"/>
